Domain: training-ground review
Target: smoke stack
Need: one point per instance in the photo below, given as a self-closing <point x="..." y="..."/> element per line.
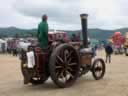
<point x="84" y="29"/>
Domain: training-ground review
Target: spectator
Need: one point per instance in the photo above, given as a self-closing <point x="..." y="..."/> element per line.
<point x="108" y="51"/>
<point x="93" y="52"/>
<point x="74" y="38"/>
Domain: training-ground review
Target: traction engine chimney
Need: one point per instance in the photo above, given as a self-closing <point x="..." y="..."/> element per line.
<point x="84" y="29"/>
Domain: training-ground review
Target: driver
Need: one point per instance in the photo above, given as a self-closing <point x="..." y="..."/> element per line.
<point x="42" y="33"/>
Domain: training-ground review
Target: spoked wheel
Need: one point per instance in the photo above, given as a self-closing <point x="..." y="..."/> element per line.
<point x="64" y="65"/>
<point x="98" y="69"/>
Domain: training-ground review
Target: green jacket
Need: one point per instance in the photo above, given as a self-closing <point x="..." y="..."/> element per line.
<point x="42" y="34"/>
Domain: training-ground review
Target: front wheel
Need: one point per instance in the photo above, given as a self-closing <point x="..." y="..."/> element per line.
<point x="98" y="69"/>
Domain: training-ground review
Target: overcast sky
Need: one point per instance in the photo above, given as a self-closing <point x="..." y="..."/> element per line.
<point x="64" y="14"/>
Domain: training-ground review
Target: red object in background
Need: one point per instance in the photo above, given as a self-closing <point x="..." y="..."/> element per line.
<point x="117" y="34"/>
<point x="123" y="40"/>
<point x="118" y="39"/>
<point x="53" y="36"/>
<point x="50" y="37"/>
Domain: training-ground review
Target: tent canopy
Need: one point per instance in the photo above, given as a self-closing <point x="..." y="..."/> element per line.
<point x="2" y="41"/>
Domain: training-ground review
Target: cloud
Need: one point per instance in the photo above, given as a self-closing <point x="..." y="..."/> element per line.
<point x="57" y="11"/>
<point x="64" y="14"/>
<point x="10" y="17"/>
<point x="60" y="13"/>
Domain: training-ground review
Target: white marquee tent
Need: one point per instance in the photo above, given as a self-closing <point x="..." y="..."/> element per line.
<point x="3" y="45"/>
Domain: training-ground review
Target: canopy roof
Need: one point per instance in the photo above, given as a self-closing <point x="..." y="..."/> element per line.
<point x="2" y="41"/>
<point x="56" y="32"/>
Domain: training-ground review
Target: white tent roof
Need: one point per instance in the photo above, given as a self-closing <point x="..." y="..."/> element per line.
<point x="52" y="32"/>
<point x="2" y="41"/>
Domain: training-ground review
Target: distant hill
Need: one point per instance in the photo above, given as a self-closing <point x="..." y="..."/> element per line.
<point x="93" y="33"/>
<point x="12" y="31"/>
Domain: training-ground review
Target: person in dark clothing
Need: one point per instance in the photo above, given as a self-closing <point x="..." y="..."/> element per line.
<point x="94" y="51"/>
<point x="74" y="38"/>
<point x="108" y="51"/>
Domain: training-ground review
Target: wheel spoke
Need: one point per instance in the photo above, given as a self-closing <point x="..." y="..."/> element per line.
<point x="60" y="59"/>
<point x="57" y="73"/>
<point x="65" y="56"/>
<point x="69" y="68"/>
<point x="72" y="64"/>
<point x="70" y="59"/>
<point x="61" y="74"/>
<point x="69" y="54"/>
<point x="58" y="67"/>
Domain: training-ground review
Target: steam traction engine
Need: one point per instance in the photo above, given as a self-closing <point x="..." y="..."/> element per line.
<point x="63" y="62"/>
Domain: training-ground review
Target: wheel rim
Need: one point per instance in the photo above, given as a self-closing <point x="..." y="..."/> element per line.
<point x="67" y="64"/>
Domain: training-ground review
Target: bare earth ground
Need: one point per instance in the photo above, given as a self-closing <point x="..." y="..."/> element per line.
<point x="115" y="82"/>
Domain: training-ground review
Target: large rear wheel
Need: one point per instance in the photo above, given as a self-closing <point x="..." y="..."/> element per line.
<point x="64" y="65"/>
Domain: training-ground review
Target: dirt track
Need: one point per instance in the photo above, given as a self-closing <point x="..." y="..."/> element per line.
<point x="115" y="82"/>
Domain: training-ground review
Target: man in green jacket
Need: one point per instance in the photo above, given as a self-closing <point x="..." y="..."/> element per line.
<point x="42" y="33"/>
